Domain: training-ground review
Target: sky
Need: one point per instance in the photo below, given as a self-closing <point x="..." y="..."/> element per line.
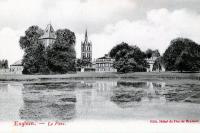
<point x="145" y="23"/>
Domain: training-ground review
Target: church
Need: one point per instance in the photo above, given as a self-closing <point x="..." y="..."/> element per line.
<point x="103" y="64"/>
<point x="86" y="50"/>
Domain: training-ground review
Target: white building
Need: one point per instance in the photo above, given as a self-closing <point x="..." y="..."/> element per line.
<point x="17" y="67"/>
<point x="104" y="64"/>
<point x="151" y="62"/>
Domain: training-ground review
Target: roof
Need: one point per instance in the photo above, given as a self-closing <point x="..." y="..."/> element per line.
<point x="17" y="63"/>
<point x="49" y="33"/>
<point x="105" y="57"/>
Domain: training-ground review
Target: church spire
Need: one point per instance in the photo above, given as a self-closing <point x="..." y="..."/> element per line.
<point x="86" y="36"/>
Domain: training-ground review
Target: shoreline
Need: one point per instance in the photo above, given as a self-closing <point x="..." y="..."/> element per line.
<point x="94" y="75"/>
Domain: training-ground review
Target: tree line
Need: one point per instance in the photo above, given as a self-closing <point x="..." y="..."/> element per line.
<point x="182" y="55"/>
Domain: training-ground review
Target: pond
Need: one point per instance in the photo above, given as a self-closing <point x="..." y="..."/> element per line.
<point x="103" y="99"/>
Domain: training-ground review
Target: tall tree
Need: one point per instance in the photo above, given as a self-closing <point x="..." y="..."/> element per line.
<point x="34" y="51"/>
<point x="182" y="55"/>
<point x="62" y="55"/>
<point x="35" y="60"/>
<point x="128" y="58"/>
<point x="119" y="49"/>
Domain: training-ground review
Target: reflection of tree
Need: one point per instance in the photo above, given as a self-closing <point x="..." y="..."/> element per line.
<point x="131" y="93"/>
<point x="46" y="101"/>
<point x="132" y="84"/>
<point x="122" y="96"/>
<point x="128" y="92"/>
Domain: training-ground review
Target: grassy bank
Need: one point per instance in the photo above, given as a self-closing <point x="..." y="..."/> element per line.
<point x="142" y="75"/>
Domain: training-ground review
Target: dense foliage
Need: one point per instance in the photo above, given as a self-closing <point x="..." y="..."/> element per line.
<point x="182" y="55"/>
<point x="3" y="64"/>
<point x="149" y="53"/>
<point x="81" y="63"/>
<point x="158" y="64"/>
<point x="128" y="58"/>
<point x="34" y="60"/>
<point x="62" y="55"/>
<point x="59" y="58"/>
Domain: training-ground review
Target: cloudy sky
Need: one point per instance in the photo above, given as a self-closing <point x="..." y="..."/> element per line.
<point x="146" y="23"/>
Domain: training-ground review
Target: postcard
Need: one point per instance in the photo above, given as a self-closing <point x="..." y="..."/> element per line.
<point x="99" y="66"/>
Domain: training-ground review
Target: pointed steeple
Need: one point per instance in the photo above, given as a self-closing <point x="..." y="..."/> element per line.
<point x="49" y="33"/>
<point x="86" y="36"/>
<point x="49" y="36"/>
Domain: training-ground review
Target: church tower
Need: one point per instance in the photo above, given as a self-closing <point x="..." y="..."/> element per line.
<point x="86" y="49"/>
<point x="49" y="36"/>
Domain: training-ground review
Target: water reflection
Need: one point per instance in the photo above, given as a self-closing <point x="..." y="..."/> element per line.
<point x="10" y="101"/>
<point x="48" y="101"/>
<point x="130" y="94"/>
<point x="97" y="99"/>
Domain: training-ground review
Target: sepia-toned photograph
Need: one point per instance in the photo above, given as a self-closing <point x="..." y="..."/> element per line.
<point x="99" y="66"/>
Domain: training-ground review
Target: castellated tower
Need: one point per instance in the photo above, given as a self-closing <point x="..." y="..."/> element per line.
<point x="49" y="36"/>
<point x="86" y="49"/>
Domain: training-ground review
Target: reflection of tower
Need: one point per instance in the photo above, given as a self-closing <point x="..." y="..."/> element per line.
<point x="104" y="88"/>
<point x="49" y="36"/>
<point x="86" y="49"/>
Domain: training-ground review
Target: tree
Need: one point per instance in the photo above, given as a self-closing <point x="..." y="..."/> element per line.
<point x="128" y="58"/>
<point x="138" y="56"/>
<point x="126" y="65"/>
<point x="182" y="62"/>
<point x="82" y="63"/>
<point x="182" y="55"/>
<point x="34" y="59"/>
<point x="122" y="47"/>
<point x="62" y="55"/>
<point x="156" y="53"/>
<point x="31" y="37"/>
<point x="149" y="53"/>
<point x="3" y="64"/>
<point x="158" y="64"/>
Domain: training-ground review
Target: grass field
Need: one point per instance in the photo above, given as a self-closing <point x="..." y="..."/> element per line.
<point x="140" y="75"/>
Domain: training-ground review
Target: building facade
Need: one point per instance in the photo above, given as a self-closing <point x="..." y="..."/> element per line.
<point x="151" y="62"/>
<point x="17" y="67"/>
<point x="105" y="64"/>
<point x="86" y="50"/>
<point x="49" y="36"/>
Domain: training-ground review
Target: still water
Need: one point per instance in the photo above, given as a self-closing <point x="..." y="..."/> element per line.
<point x="100" y="99"/>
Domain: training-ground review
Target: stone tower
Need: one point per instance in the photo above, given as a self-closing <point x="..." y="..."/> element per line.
<point x="86" y="49"/>
<point x="49" y="36"/>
